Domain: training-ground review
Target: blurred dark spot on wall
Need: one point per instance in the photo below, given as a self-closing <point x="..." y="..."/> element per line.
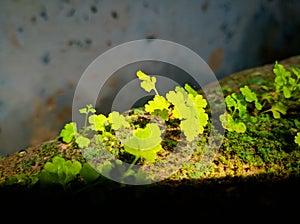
<point x="94" y="9"/>
<point x="114" y="14"/>
<point x="46" y="58"/>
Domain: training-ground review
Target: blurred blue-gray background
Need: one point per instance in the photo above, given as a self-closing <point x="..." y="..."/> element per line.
<point x="46" y="45"/>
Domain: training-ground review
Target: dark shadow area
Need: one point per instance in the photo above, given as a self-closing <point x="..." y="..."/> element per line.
<point x="254" y="195"/>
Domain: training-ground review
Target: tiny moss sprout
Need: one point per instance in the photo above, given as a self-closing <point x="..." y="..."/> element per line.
<point x="237" y="109"/>
<point x="286" y="83"/>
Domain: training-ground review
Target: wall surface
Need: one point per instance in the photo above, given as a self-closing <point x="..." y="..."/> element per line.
<point x="46" y="45"/>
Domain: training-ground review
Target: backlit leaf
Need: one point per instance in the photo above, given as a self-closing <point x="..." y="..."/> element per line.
<point x="117" y="120"/>
<point x="68" y="132"/>
<point x="148" y="83"/>
<point x="97" y="122"/>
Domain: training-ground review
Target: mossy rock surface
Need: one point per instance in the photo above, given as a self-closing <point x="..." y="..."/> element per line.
<point x="257" y="170"/>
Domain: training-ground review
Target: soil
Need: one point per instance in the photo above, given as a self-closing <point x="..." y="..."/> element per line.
<point x="226" y="195"/>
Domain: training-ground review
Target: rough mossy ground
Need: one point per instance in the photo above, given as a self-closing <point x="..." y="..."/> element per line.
<point x="259" y="168"/>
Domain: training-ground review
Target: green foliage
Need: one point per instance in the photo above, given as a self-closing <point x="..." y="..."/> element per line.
<point x="123" y="135"/>
<point x="97" y="122"/>
<point x="133" y="137"/>
<point x="260" y="138"/>
<point x="144" y="142"/>
<point x="278" y="109"/>
<point x="190" y="90"/>
<point x="86" y="110"/>
<point x="22" y="179"/>
<point x="68" y="132"/>
<point x="117" y="121"/>
<point x="158" y="106"/>
<point x="82" y="141"/>
<point x="297" y="138"/>
<point x="189" y="110"/>
<point x="250" y="96"/>
<point x="232" y="119"/>
<point x="88" y="173"/>
<point x="59" y="171"/>
<point x="118" y="166"/>
<point x="285" y="83"/>
<point x="148" y="83"/>
<point x="187" y="106"/>
<point x="231" y="124"/>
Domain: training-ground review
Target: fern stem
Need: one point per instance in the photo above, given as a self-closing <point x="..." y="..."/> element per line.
<point x="131" y="165"/>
